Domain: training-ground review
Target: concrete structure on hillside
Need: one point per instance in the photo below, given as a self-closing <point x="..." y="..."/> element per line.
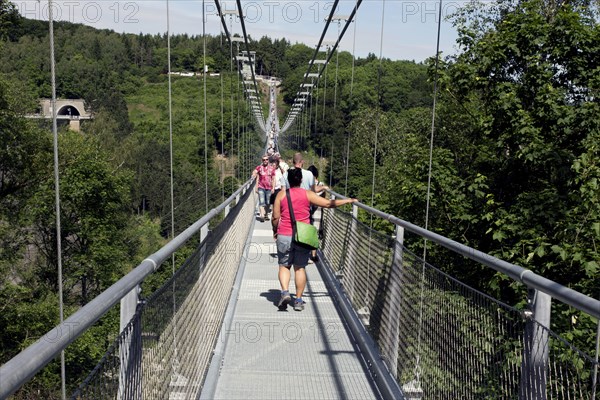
<point x="72" y="110"/>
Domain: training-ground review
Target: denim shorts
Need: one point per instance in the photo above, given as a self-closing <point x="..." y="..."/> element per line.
<point x="263" y="196"/>
<point x="289" y="253"/>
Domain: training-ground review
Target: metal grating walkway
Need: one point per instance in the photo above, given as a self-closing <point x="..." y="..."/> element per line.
<point x="270" y="354"/>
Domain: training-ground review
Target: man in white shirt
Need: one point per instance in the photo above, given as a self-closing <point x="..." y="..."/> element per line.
<point x="308" y="180"/>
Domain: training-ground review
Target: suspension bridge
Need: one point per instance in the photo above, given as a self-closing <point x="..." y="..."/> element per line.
<point x="380" y="321"/>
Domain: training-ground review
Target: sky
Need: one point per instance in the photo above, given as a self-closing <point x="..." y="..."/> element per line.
<point x="396" y="29"/>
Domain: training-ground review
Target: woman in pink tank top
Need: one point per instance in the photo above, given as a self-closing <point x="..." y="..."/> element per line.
<point x="288" y="253"/>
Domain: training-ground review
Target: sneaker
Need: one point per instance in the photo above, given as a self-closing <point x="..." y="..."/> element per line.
<point x="284" y="300"/>
<point x="315" y="258"/>
<point x="299" y="305"/>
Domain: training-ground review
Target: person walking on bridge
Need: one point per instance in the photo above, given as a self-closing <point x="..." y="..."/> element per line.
<point x="308" y="180"/>
<point x="264" y="187"/>
<point x="288" y="253"/>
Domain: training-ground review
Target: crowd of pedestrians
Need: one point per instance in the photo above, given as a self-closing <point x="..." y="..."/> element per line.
<point x="276" y="181"/>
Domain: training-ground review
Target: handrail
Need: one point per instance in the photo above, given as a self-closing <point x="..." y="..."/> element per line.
<point x="568" y="296"/>
<point x="18" y="370"/>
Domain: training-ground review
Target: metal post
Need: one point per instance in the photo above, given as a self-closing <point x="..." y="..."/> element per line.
<point x="130" y="350"/>
<point x="595" y="370"/>
<point x="326" y="245"/>
<point x="204" y="229"/>
<point x="204" y="242"/>
<point x="535" y="355"/>
<point x="391" y="323"/>
<point x="350" y="264"/>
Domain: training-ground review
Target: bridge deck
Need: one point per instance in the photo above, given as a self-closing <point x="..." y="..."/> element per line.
<point x="272" y="354"/>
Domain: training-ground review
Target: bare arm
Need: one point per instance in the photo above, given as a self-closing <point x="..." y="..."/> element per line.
<point x="255" y="176"/>
<point x="318" y="201"/>
<point x="320" y="187"/>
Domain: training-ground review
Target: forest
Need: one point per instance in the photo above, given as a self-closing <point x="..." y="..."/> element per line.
<point x="515" y="162"/>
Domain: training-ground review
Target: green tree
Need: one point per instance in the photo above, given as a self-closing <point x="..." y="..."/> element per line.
<point x="9" y="20"/>
<point x="94" y="217"/>
<point x="518" y="110"/>
<point x="529" y="85"/>
<point x="24" y="153"/>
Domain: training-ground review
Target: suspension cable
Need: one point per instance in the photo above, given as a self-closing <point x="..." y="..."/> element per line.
<point x="378" y="115"/>
<point x="221" y="16"/>
<point x="337" y="64"/>
<point x="243" y="25"/>
<point x="204" y="69"/>
<point x="595" y="372"/>
<point x="435" y="92"/>
<point x="311" y="63"/>
<point x="377" y="122"/>
<point x="310" y="107"/>
<point x="175" y="361"/>
<point x="229" y="37"/>
<point x="306" y="134"/>
<point x="317" y="102"/>
<point x="325" y="88"/>
<point x="231" y="94"/>
<point x="221" y="165"/>
<point x="324" y="69"/>
<point x="170" y="99"/>
<point x="348" y="22"/>
<point x="351" y="98"/>
<point x="63" y="374"/>
<point x="237" y="106"/>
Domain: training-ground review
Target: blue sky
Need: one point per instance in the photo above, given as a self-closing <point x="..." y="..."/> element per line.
<point x="409" y="27"/>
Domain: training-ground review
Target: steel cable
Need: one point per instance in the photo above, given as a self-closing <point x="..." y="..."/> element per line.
<point x="56" y="191"/>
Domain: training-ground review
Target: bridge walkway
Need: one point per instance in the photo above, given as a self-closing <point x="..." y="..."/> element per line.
<point x="265" y="353"/>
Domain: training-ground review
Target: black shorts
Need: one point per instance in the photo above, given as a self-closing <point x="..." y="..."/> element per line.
<point x="273" y="195"/>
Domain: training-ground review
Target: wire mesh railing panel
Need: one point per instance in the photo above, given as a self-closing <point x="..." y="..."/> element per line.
<point x="455" y="342"/>
<point x="336" y="227"/>
<point x="166" y="349"/>
<point x="161" y="327"/>
<point x="554" y="369"/>
<point x="364" y="257"/>
<point x="442" y="339"/>
<point x="117" y="375"/>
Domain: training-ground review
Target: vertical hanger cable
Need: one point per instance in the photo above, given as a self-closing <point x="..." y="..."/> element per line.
<point x="205" y="109"/>
<point x="429" y="174"/>
<point x="351" y="99"/>
<point x="63" y="374"/>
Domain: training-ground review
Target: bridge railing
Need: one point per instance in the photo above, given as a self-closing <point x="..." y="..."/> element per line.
<point x="443" y="339"/>
<point x="155" y="356"/>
